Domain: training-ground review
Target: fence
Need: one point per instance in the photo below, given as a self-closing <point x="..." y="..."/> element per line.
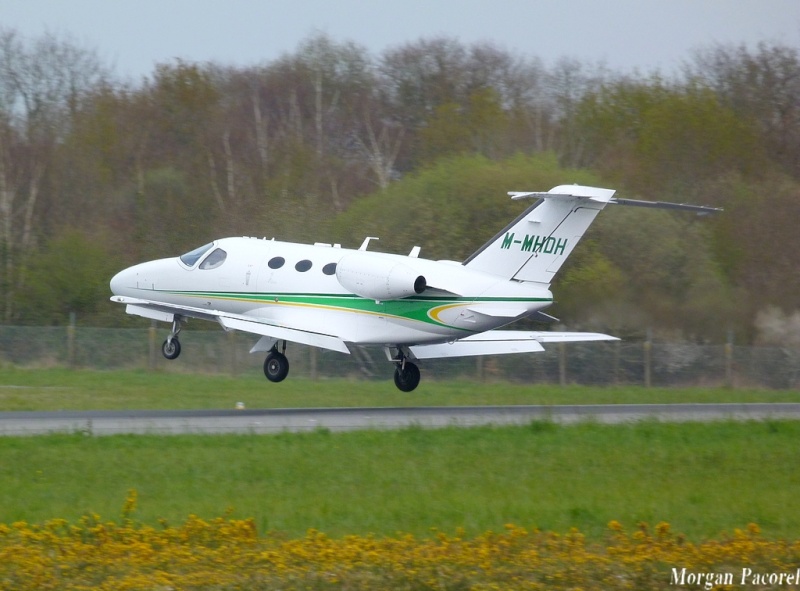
<point x="598" y="363"/>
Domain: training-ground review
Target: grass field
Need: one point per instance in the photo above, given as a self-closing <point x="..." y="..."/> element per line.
<point x="701" y="478"/>
<point x="60" y="389"/>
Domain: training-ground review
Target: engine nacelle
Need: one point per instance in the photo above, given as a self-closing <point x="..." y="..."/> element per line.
<point x="378" y="278"/>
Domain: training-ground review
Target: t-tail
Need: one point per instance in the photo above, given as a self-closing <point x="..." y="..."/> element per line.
<point x="535" y="245"/>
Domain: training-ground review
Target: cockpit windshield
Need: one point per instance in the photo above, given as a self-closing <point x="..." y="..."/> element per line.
<point x="190" y="258"/>
<point x="214" y="260"/>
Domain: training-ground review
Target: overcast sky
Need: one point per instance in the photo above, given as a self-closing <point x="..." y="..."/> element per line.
<point x="134" y="35"/>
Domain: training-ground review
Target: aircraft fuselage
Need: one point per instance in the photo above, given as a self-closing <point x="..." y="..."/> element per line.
<point x="289" y="284"/>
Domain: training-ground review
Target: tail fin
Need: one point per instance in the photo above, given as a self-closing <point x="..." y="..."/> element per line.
<point x="535" y="245"/>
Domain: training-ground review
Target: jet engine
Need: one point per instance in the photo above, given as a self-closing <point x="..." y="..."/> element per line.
<point x="378" y="278"/>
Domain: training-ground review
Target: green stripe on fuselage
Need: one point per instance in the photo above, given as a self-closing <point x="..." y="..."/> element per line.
<point x="415" y="308"/>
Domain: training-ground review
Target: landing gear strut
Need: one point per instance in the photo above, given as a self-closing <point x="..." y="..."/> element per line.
<point x="276" y="365"/>
<point x="406" y="375"/>
<point x="171" y="348"/>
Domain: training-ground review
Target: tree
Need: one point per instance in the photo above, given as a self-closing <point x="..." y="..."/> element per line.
<point x="451" y="207"/>
<point x="762" y="86"/>
<point x="70" y="274"/>
<point x="646" y="268"/>
<point x="42" y="84"/>
<point x="661" y="141"/>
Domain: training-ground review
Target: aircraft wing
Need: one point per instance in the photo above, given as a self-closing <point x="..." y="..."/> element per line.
<point x="165" y="312"/>
<point x="499" y="342"/>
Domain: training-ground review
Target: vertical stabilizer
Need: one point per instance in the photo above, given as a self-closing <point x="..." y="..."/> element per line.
<point x="535" y="245"/>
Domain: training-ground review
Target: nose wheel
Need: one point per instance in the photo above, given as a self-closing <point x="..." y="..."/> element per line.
<point x="171" y="348"/>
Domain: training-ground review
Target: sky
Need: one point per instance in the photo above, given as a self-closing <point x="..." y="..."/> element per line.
<point x="132" y="36"/>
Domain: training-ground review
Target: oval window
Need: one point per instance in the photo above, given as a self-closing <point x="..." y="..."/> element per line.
<point x="303" y="265"/>
<point x="276" y="263"/>
<point x="329" y="269"/>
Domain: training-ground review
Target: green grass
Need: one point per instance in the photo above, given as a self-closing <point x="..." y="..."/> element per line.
<point x="702" y="478"/>
<point x="60" y="389"/>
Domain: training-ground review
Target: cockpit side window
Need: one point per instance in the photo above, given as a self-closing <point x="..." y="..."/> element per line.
<point x="190" y="258"/>
<point x="214" y="260"/>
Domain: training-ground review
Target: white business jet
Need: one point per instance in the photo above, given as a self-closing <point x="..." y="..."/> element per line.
<point x="335" y="298"/>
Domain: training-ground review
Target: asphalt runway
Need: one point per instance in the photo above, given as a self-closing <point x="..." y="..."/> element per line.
<point x="170" y="422"/>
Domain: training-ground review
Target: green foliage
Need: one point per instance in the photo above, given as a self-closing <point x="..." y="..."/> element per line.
<point x="689" y="137"/>
<point x="592" y="288"/>
<point x="169" y="218"/>
<point x="647" y="268"/>
<point x="188" y="99"/>
<point x="661" y="140"/>
<point x="756" y="241"/>
<point x="70" y="274"/>
<point x="477" y="128"/>
<point x="453" y="206"/>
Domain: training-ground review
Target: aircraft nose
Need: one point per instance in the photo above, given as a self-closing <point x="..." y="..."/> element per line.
<point x="120" y="282"/>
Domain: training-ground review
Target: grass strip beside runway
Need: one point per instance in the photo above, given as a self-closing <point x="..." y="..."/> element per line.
<point x="60" y="389"/>
<point x="703" y="479"/>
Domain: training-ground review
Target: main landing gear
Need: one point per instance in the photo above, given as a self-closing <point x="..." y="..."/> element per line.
<point x="406" y="374"/>
<point x="276" y="365"/>
<point x="171" y="348"/>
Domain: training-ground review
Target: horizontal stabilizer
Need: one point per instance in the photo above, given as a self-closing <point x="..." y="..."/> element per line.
<point x="470" y="346"/>
<point x="573" y="337"/>
<point x="698" y="209"/>
<point x="501" y="342"/>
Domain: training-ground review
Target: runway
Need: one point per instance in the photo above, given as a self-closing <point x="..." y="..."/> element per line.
<point x="172" y="422"/>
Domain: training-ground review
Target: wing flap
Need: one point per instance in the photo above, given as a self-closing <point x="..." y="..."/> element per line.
<point x="501" y="342"/>
<point x="464" y="348"/>
<point x="573" y="337"/>
<point x="285" y="334"/>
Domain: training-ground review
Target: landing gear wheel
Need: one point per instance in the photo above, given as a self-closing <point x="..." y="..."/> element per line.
<point x="171" y="348"/>
<point x="276" y="367"/>
<point x="406" y="376"/>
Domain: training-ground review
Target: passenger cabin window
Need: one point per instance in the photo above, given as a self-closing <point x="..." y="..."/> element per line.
<point x="214" y="260"/>
<point x="329" y="269"/>
<point x="276" y="263"/>
<point x="303" y="265"/>
<point x="190" y="258"/>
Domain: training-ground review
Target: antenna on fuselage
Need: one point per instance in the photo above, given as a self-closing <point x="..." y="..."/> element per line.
<point x="366" y="242"/>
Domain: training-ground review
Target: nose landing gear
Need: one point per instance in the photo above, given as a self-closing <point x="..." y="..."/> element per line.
<point x="171" y="348"/>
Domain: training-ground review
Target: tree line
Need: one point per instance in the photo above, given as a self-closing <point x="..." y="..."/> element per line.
<point x="418" y="145"/>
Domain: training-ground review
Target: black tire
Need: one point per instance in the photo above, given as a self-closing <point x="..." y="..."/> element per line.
<point x="171" y="348"/>
<point x="276" y="367"/>
<point x="406" y="379"/>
